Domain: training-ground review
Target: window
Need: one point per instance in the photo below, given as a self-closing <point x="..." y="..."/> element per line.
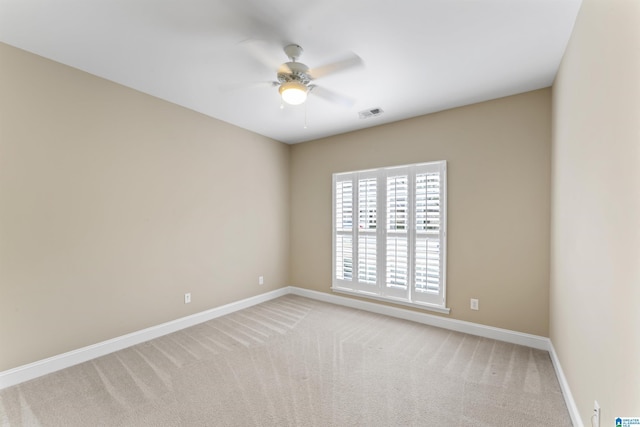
<point x="389" y="234"/>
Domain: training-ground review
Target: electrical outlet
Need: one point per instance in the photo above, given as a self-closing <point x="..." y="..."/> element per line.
<point x="261" y="280"/>
<point x="596" y="414"/>
<point x="474" y="304"/>
<point x="187" y="298"/>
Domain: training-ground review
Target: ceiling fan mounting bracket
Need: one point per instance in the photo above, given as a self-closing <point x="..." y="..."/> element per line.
<point x="293" y="51"/>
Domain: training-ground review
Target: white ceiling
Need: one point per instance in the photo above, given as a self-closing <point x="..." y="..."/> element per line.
<point x="420" y="56"/>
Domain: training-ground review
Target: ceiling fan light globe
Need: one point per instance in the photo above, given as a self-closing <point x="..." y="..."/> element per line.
<point x="293" y="93"/>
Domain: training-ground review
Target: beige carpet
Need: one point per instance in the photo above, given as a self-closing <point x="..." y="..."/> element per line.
<point x="299" y="362"/>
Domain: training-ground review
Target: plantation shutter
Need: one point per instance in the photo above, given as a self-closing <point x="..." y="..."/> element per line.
<point x="389" y="237"/>
<point x="428" y="285"/>
<point x="397" y="239"/>
<point x="367" y="231"/>
<point x="343" y="225"/>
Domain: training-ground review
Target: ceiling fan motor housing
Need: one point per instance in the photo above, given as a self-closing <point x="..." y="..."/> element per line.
<point x="294" y="71"/>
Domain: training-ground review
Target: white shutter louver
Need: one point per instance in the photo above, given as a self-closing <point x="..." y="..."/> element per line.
<point x="397" y="265"/>
<point x="344" y="257"/>
<point x="428" y="279"/>
<point x="367" y="204"/>
<point x="433" y="265"/>
<point x="397" y="198"/>
<point x="433" y="202"/>
<point x="427" y="202"/>
<point x="367" y="224"/>
<point x="344" y="206"/>
<point x="397" y="254"/>
<point x="367" y="259"/>
<point x="427" y="265"/>
<point x="427" y="249"/>
<point x="344" y="229"/>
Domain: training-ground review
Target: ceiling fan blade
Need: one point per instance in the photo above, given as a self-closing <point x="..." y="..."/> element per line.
<point x="262" y="52"/>
<point x="231" y="87"/>
<point x="332" y="96"/>
<point x="351" y="61"/>
<point x="260" y="20"/>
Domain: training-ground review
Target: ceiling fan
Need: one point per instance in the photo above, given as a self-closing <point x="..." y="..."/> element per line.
<point x="294" y="78"/>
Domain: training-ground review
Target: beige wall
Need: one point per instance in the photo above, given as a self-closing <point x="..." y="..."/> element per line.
<point x="498" y="156"/>
<point x="595" y="273"/>
<point x="113" y="204"/>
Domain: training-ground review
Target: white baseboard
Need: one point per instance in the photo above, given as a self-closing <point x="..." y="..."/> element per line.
<point x="564" y="386"/>
<point x="46" y="366"/>
<point x="535" y="341"/>
<point x="55" y="363"/>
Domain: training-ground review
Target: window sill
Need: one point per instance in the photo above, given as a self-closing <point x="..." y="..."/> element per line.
<point x="400" y="301"/>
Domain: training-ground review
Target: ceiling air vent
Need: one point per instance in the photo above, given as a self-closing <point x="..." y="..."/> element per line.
<point x="373" y="112"/>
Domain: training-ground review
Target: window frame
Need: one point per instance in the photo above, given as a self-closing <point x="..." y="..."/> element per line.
<point x="380" y="290"/>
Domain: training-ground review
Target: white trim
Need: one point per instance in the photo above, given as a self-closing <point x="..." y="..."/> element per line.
<point x="422" y="306"/>
<point x="61" y="361"/>
<point x="534" y="341"/>
<point x="564" y="386"/>
<point x="46" y="366"/>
